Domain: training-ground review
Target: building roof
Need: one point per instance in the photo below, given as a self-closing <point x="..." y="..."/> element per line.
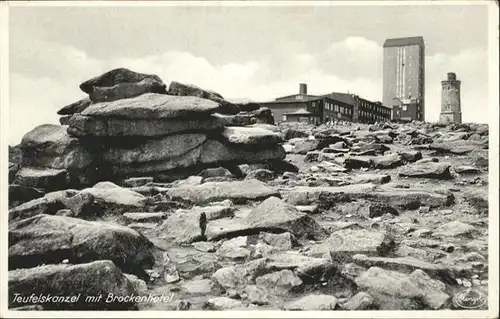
<point x="299" y="112"/>
<point x="341" y="97"/>
<point x="346" y="98"/>
<point x="399" y="42"/>
<point x="293" y="99"/>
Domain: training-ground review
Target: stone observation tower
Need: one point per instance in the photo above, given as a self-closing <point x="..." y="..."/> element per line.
<point x="450" y="101"/>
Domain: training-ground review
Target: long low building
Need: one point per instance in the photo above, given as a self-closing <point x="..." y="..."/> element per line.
<point x="317" y="109"/>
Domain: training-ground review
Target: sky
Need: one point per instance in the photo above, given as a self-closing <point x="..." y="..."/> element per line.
<point x="244" y="53"/>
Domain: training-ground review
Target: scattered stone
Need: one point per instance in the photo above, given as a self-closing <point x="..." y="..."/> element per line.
<point x="144" y="217"/>
<point x="284" y="217"/>
<point x="111" y="196"/>
<point x="51" y="239"/>
<point x="371" y="178"/>
<point x="138" y="181"/>
<point x="305" y="145"/>
<point x="355" y="162"/>
<point x="345" y="243"/>
<point x="456" y="148"/>
<point x="351" y="271"/>
<point x="380" y="209"/>
<point x="140" y="285"/>
<point x="466" y="170"/>
<point x="427" y="254"/>
<point x="189" y="262"/>
<point x="387" y="161"/>
<point x="190" y="181"/>
<point x="404" y="264"/>
<point x="89" y="279"/>
<point x="399" y="285"/>
<point x="308" y="209"/>
<point x="240" y="275"/>
<point x="264" y="250"/>
<point x="360" y="301"/>
<point x="424" y="210"/>
<point x="427" y="170"/>
<point x="290" y="175"/>
<point x="201" y="286"/>
<point x="204" y="246"/>
<point x="257" y="295"/>
<point x="409" y="198"/>
<point x="309" y="269"/>
<point x="283" y="241"/>
<point x="228" y="228"/>
<point x="184" y="227"/>
<point x="313" y="302"/>
<point x="411" y="156"/>
<point x="263" y="175"/>
<point x="28" y="308"/>
<point x="281" y="282"/>
<point x="238" y="191"/>
<point x="183" y="305"/>
<point x="453" y="229"/>
<point x="216" y="210"/>
<point x="234" y="248"/>
<point x="216" y="172"/>
<point x="222" y="303"/>
<point x="313" y="156"/>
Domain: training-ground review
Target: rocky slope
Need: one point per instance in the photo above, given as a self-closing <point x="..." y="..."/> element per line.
<point x="176" y="197"/>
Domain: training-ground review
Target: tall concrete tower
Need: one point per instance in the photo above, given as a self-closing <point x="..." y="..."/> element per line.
<point x="450" y="101"/>
<point x="404" y="77"/>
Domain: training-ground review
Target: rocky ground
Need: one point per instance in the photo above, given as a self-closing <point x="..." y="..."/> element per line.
<point x="345" y="217"/>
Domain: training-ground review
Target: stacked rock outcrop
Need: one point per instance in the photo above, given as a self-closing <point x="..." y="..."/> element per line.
<point x="132" y="125"/>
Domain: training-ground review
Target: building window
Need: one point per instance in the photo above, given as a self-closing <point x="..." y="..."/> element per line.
<point x="283" y="117"/>
<point x="405" y="108"/>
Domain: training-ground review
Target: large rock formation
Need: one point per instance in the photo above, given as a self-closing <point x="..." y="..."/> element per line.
<point x="117" y="77"/>
<point x="131" y="125"/>
<point x="52" y="159"/>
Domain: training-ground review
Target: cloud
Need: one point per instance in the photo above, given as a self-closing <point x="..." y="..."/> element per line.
<point x="45" y="76"/>
<point x="354" y="57"/>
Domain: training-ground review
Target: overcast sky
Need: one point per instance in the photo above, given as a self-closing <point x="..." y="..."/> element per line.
<point x="256" y="53"/>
